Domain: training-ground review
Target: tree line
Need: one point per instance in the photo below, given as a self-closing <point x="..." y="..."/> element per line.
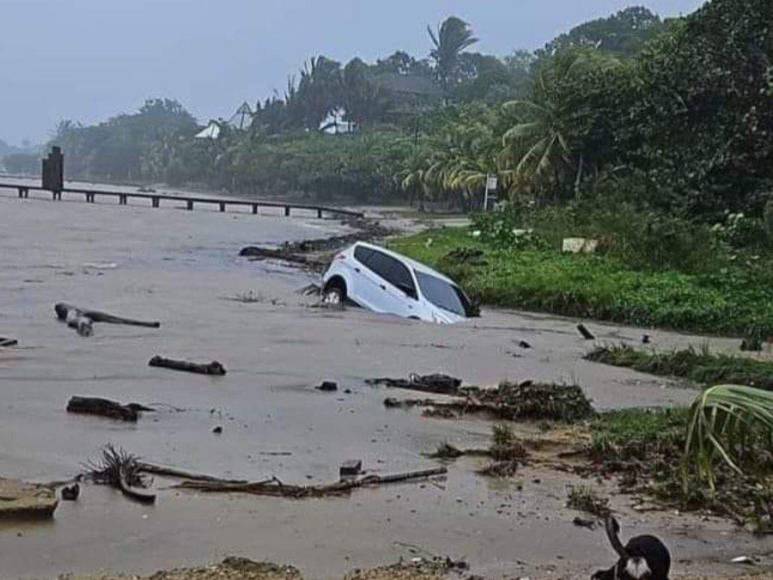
<point x="675" y="114"/>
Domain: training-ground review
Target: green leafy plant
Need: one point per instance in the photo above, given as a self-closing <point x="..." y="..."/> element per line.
<point x="726" y="423"/>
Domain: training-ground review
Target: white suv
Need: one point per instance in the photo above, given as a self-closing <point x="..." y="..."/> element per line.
<point x="384" y="281"/>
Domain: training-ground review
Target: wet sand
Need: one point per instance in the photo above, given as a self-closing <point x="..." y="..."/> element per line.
<point x="182" y="268"/>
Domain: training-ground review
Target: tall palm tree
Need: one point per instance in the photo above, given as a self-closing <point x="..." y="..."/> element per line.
<point x="542" y="144"/>
<point x="453" y="36"/>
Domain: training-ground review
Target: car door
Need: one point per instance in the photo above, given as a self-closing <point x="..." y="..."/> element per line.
<point x="390" y="285"/>
<point x="364" y="290"/>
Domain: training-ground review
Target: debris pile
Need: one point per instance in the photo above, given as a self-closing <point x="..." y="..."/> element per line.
<point x="510" y="401"/>
<point x="121" y="470"/>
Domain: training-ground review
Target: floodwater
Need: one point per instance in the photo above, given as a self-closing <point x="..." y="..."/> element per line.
<point x="183" y="269"/>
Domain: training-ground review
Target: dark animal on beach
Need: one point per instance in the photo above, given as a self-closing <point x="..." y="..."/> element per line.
<point x="643" y="557"/>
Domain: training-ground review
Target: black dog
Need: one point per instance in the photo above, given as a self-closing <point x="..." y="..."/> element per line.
<point x="644" y="557"/>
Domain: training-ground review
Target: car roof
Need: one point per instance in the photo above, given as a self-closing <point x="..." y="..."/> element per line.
<point x="418" y="266"/>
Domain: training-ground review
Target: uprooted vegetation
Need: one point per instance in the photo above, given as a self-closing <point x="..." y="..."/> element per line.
<point x="125" y="471"/>
<point x="586" y="499"/>
<point x="698" y="366"/>
<point x="506" y="452"/>
<point x="510" y="402"/>
<point x="647" y="449"/>
<point x="238" y="568"/>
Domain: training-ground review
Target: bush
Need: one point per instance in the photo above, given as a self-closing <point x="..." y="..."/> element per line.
<point x="728" y="300"/>
<point x="503" y="229"/>
<point x="740" y="231"/>
<point x="641" y="239"/>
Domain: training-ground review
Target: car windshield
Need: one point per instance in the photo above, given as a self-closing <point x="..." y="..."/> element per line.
<point x="442" y="294"/>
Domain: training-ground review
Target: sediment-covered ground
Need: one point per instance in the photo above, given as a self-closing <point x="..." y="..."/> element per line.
<point x="182" y="268"/>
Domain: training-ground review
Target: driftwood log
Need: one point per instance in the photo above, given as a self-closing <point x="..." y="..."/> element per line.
<point x="213" y="368"/>
<point x="165" y="471"/>
<point x="586" y="334"/>
<point x="8" y="341"/>
<point x="82" y="319"/>
<point x="105" y="408"/>
<point x="437" y="383"/>
<point x="133" y="492"/>
<point x="274" y="487"/>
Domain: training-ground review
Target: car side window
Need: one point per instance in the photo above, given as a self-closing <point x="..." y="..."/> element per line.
<point x="362" y="254"/>
<point x="393" y="271"/>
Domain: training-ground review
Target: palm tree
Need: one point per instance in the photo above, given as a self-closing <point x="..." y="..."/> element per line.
<point x="452" y="37"/>
<point x="726" y="422"/>
<point x="542" y="146"/>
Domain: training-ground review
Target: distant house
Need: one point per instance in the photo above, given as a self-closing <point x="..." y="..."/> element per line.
<point x="334" y="123"/>
<point x="242" y="118"/>
<point x="211" y="131"/>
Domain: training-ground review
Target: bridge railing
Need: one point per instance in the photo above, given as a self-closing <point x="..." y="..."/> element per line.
<point x="155" y="198"/>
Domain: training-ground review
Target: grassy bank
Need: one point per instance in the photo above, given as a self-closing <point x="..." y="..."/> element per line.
<point x="696" y="366"/>
<point x="596" y="286"/>
<point x="646" y="448"/>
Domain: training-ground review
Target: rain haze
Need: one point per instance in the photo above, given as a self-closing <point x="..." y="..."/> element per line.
<point x="87" y="60"/>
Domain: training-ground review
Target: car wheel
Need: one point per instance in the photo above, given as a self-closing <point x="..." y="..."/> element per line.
<point x="334" y="293"/>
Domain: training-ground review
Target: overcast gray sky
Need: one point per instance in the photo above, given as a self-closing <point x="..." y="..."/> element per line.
<point x="87" y="60"/>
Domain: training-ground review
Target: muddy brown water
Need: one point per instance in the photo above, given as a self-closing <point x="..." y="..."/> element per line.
<point x="182" y="268"/>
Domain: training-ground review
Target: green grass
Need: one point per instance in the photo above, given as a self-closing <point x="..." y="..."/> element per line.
<point x="697" y="366"/>
<point x="646" y="448"/>
<point x="598" y="286"/>
<point x="639" y="433"/>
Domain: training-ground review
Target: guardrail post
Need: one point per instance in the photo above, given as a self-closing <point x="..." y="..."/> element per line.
<point x="190" y="204"/>
<point x="287" y="211"/>
<point x="222" y="206"/>
<point x="155" y="201"/>
<point x="122" y="199"/>
<point x="255" y="208"/>
<point x="319" y="214"/>
<point x="21" y="192"/>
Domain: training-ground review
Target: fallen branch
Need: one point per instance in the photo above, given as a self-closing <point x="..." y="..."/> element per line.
<point x="437" y="383"/>
<point x="283" y="254"/>
<point x="165" y="471"/>
<point x="213" y="368"/>
<point x="8" y="341"/>
<point x="274" y="487"/>
<point x="82" y="320"/>
<point x="105" y="408"/>
<point x="63" y="310"/>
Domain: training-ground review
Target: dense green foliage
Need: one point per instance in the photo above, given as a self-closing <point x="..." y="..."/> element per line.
<point x="605" y="102"/>
<point x="599" y="286"/>
<point x="699" y="367"/>
<point x="623" y="34"/>
<point x="119" y="149"/>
